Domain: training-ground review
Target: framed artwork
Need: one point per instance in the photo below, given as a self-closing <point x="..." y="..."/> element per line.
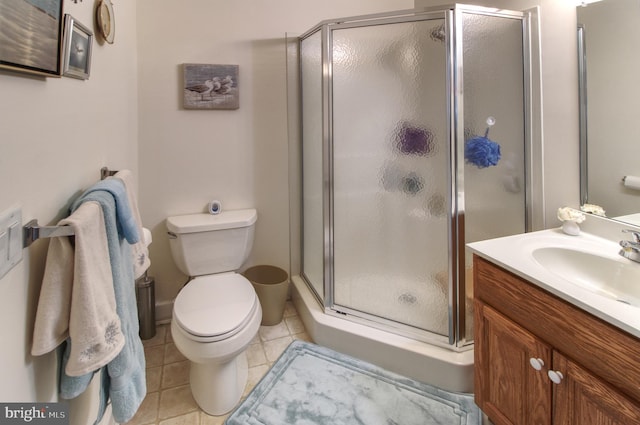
<point x="210" y="86"/>
<point x="78" y="41"/>
<point x="30" y="34"/>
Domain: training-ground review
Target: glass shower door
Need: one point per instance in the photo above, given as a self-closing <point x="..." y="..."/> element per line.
<point x="495" y="197"/>
<point x="390" y="173"/>
<point x="312" y="161"/>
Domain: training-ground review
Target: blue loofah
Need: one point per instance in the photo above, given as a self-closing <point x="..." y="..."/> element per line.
<point x="482" y="152"/>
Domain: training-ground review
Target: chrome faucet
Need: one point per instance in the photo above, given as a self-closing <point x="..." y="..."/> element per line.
<point x="631" y="249"/>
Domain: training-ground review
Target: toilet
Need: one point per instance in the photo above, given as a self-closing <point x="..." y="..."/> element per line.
<point x="217" y="313"/>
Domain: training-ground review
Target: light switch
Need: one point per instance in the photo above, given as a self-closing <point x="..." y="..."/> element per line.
<point x="15" y="241"/>
<point x="10" y="239"/>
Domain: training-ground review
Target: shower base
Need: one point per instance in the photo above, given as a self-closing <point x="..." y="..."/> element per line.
<point x="399" y="299"/>
<point x="441" y="367"/>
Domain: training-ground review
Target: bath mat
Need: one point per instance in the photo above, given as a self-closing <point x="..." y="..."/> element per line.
<point x="313" y="385"/>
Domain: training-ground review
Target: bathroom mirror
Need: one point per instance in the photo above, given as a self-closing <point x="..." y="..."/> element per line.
<point x="608" y="39"/>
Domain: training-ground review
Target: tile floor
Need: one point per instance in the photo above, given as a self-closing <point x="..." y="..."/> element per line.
<point x="169" y="400"/>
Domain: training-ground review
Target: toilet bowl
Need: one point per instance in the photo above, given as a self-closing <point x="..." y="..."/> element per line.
<point x="217" y="313"/>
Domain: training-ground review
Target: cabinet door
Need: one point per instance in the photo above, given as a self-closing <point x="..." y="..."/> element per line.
<point x="581" y="398"/>
<point x="508" y="388"/>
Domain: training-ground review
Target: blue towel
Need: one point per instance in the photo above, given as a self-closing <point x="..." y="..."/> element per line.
<point x="125" y="220"/>
<point x="124" y="381"/>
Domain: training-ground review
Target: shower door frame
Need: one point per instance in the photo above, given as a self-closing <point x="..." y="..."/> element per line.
<point x="455" y="153"/>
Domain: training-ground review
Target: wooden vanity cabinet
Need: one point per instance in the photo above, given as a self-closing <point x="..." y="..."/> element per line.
<point x="525" y="337"/>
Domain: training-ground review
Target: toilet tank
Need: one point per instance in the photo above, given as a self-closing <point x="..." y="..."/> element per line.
<point x="211" y="243"/>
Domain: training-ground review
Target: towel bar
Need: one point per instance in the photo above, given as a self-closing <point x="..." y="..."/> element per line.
<point x="105" y="172"/>
<point x="32" y="232"/>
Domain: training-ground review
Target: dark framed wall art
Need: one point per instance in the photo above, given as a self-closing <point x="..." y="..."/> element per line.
<point x="30" y="35"/>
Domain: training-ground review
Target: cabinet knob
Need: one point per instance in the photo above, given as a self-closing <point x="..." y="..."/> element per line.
<point x="556" y="377"/>
<point x="535" y="363"/>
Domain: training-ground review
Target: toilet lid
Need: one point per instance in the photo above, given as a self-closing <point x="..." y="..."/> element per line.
<point x="215" y="305"/>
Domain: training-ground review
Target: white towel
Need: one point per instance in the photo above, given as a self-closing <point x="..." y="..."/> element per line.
<point x="77" y="299"/>
<point x="139" y="250"/>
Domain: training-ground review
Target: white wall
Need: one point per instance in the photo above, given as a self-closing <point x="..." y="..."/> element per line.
<point x="55" y="135"/>
<point x="189" y="157"/>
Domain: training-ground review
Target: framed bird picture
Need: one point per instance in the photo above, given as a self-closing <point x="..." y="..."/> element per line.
<point x="210" y="86"/>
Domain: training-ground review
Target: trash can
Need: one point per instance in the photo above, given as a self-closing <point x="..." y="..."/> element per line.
<point x="272" y="286"/>
<point x="146" y="300"/>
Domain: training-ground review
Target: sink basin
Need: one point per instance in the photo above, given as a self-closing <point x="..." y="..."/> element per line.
<point x="612" y="277"/>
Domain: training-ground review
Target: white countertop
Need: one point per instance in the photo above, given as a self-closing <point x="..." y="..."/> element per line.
<point x="513" y="253"/>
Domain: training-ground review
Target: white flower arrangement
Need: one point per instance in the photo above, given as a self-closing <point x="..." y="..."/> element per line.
<point x="569" y="214"/>
<point x="593" y="209"/>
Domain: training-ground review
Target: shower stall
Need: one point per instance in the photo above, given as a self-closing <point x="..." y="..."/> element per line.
<point x="414" y="141"/>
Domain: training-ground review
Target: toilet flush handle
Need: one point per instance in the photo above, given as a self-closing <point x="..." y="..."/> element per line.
<point x="172" y="235"/>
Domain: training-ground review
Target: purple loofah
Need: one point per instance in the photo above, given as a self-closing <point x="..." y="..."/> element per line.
<point x="415" y="140"/>
<point x="482" y="152"/>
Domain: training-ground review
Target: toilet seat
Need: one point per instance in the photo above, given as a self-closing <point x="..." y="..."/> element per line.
<point x="215" y="307"/>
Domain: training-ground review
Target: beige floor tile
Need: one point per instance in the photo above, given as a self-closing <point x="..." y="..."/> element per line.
<point x="289" y="310"/>
<point x="268" y="333"/>
<point x="147" y="412"/>
<point x="176" y="401"/>
<point x="192" y="418"/>
<point x="255" y="355"/>
<point x="154" y="355"/>
<point x="275" y="347"/>
<point x="174" y="374"/>
<point x="168" y="338"/>
<point x="154" y="375"/>
<point x="158" y="339"/>
<point x="255" y="375"/>
<point x="212" y="420"/>
<point x="304" y="336"/>
<point x="295" y="325"/>
<point x="172" y="354"/>
<point x="256" y="339"/>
